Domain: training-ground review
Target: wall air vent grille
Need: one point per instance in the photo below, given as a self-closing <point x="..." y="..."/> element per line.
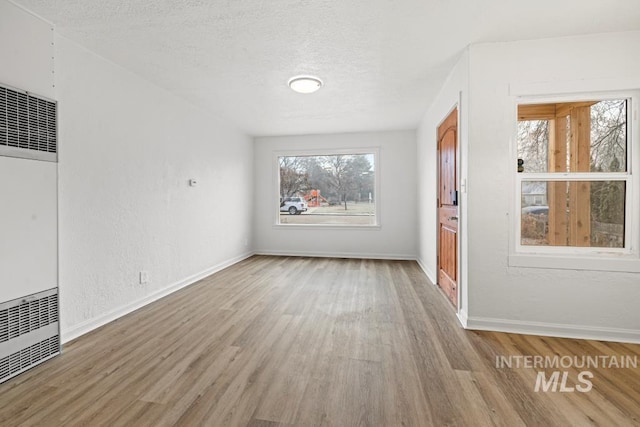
<point x="26" y="358"/>
<point x="28" y="126"/>
<point x="28" y="316"/>
<point x="29" y="332"/>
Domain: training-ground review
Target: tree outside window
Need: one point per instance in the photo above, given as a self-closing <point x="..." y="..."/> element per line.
<point x="572" y="173"/>
<point x="338" y="189"/>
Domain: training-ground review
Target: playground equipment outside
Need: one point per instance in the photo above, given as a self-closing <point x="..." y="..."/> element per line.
<point x="314" y="199"/>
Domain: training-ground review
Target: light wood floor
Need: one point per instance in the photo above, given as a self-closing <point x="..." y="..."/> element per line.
<point x="279" y="341"/>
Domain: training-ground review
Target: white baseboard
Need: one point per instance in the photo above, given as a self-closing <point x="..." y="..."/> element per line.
<point x="463" y="318"/>
<point x="68" y="334"/>
<point x="553" y="330"/>
<point x="427" y="271"/>
<point x="337" y="255"/>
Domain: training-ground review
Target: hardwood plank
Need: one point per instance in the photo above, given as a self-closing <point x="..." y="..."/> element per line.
<point x="557" y="198"/>
<point x="579" y="192"/>
<point x="262" y="423"/>
<point x="564" y="109"/>
<point x="536" y="111"/>
<point x="283" y="341"/>
<point x="502" y="412"/>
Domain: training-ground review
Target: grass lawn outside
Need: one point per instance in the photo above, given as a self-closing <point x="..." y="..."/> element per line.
<point x="356" y="214"/>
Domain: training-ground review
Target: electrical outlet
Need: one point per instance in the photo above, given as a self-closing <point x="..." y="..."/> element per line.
<point x="144" y="277"/>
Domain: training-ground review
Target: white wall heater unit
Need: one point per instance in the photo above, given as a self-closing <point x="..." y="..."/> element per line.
<point x="29" y="332"/>
<point x="29" y="313"/>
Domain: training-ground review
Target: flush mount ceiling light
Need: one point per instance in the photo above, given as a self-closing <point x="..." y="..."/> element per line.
<point x="305" y="84"/>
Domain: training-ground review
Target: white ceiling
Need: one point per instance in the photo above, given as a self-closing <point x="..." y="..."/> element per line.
<point x="382" y="61"/>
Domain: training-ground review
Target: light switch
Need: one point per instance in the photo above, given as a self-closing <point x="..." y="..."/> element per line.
<point x="144" y="277"/>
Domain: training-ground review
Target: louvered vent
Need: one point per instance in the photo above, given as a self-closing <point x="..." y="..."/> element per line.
<point x="28" y="357"/>
<point x="29" y="332"/>
<point x="28" y="126"/>
<point x="27" y="317"/>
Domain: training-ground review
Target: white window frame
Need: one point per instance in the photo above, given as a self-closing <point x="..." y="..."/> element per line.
<point x="327" y="152"/>
<point x="581" y="258"/>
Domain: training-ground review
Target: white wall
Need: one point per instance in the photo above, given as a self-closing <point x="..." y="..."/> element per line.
<point x="395" y="238"/>
<point x="453" y="93"/>
<point x="580" y="303"/>
<point x="127" y="152"/>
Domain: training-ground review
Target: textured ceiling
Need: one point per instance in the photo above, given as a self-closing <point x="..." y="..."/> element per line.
<point x="382" y="61"/>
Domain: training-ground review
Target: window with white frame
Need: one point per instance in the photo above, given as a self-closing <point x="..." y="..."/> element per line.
<point x="328" y="189"/>
<point x="574" y="175"/>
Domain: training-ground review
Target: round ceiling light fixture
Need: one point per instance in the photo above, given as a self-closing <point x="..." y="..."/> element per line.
<point x="305" y="84"/>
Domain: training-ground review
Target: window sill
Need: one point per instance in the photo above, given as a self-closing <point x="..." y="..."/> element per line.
<point x="323" y="227"/>
<point x="596" y="262"/>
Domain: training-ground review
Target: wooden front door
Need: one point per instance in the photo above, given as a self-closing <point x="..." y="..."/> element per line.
<point x="448" y="207"/>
